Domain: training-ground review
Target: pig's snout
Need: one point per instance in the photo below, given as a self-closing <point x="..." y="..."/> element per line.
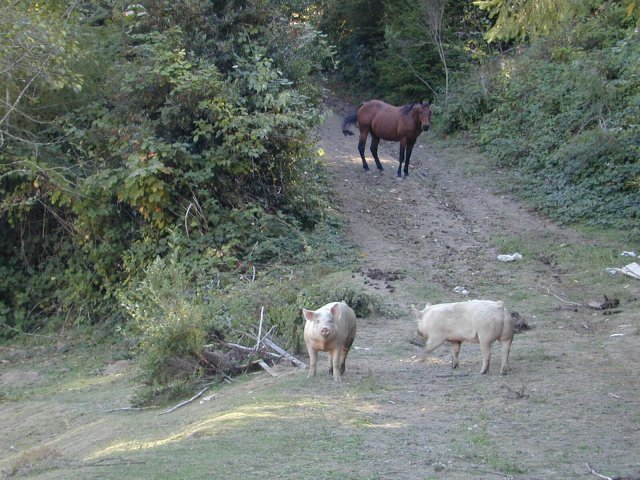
<point x="325" y="332"/>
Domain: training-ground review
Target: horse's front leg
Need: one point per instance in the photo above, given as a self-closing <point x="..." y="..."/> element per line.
<point x="402" y="152"/>
<point x="374" y="150"/>
<point x="406" y="159"/>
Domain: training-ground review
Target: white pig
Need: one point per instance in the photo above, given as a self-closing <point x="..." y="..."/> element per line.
<point x="482" y="321"/>
<point x="331" y="328"/>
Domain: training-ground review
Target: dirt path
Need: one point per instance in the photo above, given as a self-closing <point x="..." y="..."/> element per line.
<point x="571" y="396"/>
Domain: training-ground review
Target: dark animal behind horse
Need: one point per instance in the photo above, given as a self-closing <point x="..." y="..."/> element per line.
<point x="397" y="124"/>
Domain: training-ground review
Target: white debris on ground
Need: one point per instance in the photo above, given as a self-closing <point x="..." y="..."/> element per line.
<point x="510" y="258"/>
<point x="631" y="270"/>
<point x="461" y="290"/>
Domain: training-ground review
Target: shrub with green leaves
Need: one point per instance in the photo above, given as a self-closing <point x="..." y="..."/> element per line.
<point x="170" y="323"/>
<point x="191" y="128"/>
<point x="562" y="116"/>
<point x="337" y="287"/>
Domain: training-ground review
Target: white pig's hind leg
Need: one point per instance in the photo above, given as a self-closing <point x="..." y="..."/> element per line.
<point x="344" y="351"/>
<point x="506" y="346"/>
<point x="485" y="347"/>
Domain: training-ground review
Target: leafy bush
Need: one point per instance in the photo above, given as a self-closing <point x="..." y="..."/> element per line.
<point x="187" y="133"/>
<point x="564" y="119"/>
<point x="337" y="287"/>
<point x="470" y="99"/>
<point x="171" y="322"/>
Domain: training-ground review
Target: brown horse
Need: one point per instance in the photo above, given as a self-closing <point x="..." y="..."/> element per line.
<point x="386" y="122"/>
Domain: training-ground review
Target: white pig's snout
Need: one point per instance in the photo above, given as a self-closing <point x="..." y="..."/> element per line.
<point x="325" y="332"/>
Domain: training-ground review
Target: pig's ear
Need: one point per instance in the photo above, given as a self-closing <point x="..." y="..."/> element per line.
<point x="335" y="310"/>
<point x="428" y="305"/>
<point x="308" y="314"/>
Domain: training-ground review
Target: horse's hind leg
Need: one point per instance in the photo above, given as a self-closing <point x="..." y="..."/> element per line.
<point x="400" y="159"/>
<point x="374" y="150"/>
<point x="361" y="144"/>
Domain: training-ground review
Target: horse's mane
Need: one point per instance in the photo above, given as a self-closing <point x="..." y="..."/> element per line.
<point x="405" y="109"/>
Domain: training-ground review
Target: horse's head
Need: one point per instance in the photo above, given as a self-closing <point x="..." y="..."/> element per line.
<point x="425" y="115"/>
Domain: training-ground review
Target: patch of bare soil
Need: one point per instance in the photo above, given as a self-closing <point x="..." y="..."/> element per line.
<point x="19" y="378"/>
<point x="572" y="393"/>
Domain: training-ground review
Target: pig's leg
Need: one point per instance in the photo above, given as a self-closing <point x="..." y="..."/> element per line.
<point x="506" y="347"/>
<point x="343" y="360"/>
<point x="334" y="360"/>
<point x="455" y="350"/>
<point x="485" y="347"/>
<point x="343" y="357"/>
<point x="313" y="359"/>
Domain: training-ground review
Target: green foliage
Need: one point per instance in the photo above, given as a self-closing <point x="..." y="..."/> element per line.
<point x="406" y="64"/>
<point x="337" y="287"/>
<point x="517" y="19"/>
<point x="385" y="49"/>
<point x="39" y="50"/>
<point x="356" y="29"/>
<point x="563" y="116"/>
<point x="470" y="99"/>
<point x="188" y="131"/>
<point x="171" y="323"/>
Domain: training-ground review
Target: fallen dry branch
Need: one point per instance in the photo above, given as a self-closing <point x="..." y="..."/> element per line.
<point x="208" y="398"/>
<point x="448" y="375"/>
<point x="111" y="462"/>
<point x="265" y="336"/>
<point x="563" y="300"/>
<point x="186" y="402"/>
<point x="284" y="353"/>
<point x="129" y="409"/>
<point x="593" y="472"/>
<point x="249" y="349"/>
<point x="20" y="332"/>
<point x="223" y="359"/>
<point x="260" y="328"/>
<point x="267" y="368"/>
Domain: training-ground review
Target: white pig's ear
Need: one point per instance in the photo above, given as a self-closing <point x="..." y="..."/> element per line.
<point x="308" y="314"/>
<point x="335" y="310"/>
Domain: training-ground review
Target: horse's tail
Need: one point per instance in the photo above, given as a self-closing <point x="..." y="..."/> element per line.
<point x="350" y="120"/>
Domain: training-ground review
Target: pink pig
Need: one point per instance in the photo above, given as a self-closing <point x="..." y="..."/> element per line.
<point x="331" y="328"/>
